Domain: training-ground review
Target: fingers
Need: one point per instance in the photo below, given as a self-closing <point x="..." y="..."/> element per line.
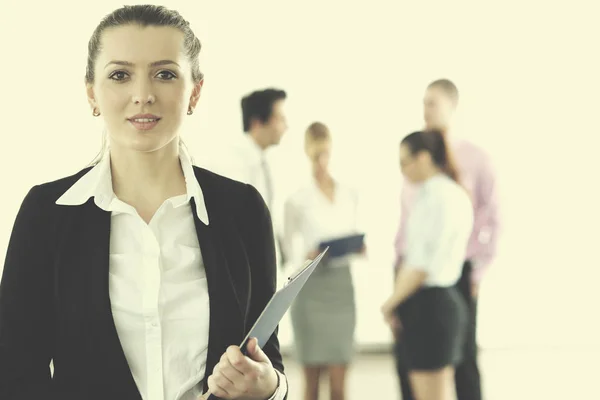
<point x="252" y="346"/>
<point x="474" y="290"/>
<point x="388" y="315"/>
<point x="394" y="323"/>
<point x="218" y="386"/>
<point x="226" y="368"/>
<point x="256" y="353"/>
<point x="234" y="375"/>
<point x="238" y="375"/>
<point x="238" y="361"/>
<point x="226" y="380"/>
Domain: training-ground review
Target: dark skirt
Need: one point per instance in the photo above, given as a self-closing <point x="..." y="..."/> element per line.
<point x="434" y="324"/>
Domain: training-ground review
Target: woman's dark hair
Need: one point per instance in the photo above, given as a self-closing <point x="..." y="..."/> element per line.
<point x="434" y="143"/>
<point x="142" y="15"/>
<point x="145" y="15"/>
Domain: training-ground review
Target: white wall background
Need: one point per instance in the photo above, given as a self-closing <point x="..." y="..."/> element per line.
<point x="528" y="75"/>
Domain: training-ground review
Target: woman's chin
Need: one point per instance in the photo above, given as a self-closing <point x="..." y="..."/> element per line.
<point x="142" y="144"/>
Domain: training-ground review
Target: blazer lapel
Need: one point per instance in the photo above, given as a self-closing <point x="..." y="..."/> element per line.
<point x="83" y="280"/>
<point x="84" y="301"/>
<point x="226" y="317"/>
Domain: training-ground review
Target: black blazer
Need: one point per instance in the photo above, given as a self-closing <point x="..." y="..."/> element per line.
<point x="54" y="298"/>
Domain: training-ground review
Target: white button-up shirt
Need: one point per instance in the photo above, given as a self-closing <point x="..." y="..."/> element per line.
<point x="438" y="230"/>
<point x="310" y="218"/>
<point x="247" y="162"/>
<point x="157" y="284"/>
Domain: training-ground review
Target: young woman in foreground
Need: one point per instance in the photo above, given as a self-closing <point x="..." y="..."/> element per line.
<point x="136" y="277"/>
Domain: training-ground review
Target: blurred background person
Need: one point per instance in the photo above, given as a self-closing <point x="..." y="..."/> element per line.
<point x="324" y="314"/>
<point x="264" y="123"/>
<point x="426" y="309"/>
<point x="478" y="177"/>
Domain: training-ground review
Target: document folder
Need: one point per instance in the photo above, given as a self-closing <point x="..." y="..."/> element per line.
<point x="280" y="302"/>
<point x="276" y="308"/>
<point x="342" y="246"/>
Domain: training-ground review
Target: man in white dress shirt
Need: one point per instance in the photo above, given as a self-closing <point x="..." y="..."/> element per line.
<point x="246" y="161"/>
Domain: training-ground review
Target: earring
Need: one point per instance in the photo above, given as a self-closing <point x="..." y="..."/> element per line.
<point x="95" y="112"/>
<point x="190" y="111"/>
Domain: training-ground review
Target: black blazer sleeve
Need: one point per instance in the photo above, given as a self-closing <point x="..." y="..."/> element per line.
<point x="258" y="234"/>
<point x="26" y="312"/>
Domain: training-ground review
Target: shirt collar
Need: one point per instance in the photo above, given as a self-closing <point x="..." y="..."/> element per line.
<point x="97" y="183"/>
<point x="254" y="148"/>
<point x="434" y="180"/>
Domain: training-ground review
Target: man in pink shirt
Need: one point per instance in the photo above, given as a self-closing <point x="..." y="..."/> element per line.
<point x="477" y="176"/>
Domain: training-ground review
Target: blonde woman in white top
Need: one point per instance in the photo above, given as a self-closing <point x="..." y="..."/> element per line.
<point x="426" y="311"/>
<point x="323" y="315"/>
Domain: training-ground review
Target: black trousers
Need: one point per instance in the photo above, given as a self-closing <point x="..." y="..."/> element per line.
<point x="467" y="376"/>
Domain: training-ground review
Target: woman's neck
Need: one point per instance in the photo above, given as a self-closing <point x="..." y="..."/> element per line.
<point x="147" y="177"/>
<point x="326" y="185"/>
<point x="323" y="179"/>
<point x="432" y="172"/>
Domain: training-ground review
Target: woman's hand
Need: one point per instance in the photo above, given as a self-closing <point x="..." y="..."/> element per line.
<point x="387" y="309"/>
<point x="391" y="319"/>
<point x="312" y="255"/>
<point x="474" y="290"/>
<point x="363" y="250"/>
<point x="240" y="377"/>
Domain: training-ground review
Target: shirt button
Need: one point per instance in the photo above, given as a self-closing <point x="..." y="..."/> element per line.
<point x="154" y="324"/>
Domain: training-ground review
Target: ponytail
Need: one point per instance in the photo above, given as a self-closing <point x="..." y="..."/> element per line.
<point x="447" y="163"/>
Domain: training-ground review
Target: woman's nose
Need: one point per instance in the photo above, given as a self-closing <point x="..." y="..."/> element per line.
<point x="146" y="99"/>
<point x="143" y="94"/>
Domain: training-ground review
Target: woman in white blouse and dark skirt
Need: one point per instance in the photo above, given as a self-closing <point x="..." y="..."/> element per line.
<point x="425" y="311"/>
<point x="323" y="315"/>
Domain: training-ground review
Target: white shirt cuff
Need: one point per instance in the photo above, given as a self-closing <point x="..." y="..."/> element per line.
<point x="282" y="388"/>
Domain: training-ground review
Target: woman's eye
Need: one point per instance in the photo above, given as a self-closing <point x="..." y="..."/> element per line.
<point x="166" y="75"/>
<point x="118" y="75"/>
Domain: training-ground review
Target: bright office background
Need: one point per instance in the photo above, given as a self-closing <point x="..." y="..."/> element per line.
<point x="528" y="76"/>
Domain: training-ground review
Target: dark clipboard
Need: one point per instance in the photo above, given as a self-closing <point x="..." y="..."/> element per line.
<point x="276" y="308"/>
<point x="342" y="246"/>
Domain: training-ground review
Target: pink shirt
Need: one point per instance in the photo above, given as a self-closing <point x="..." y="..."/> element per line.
<point x="477" y="176"/>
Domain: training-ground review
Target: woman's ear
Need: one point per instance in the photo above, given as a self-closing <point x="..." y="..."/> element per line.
<point x="196" y="94"/>
<point x="423" y="157"/>
<point x="89" y="91"/>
